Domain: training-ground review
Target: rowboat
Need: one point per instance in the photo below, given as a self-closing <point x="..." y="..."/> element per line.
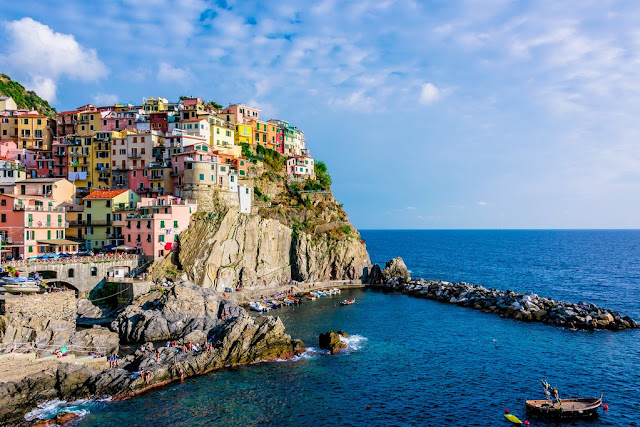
<point x="20" y="285"/>
<point x="310" y="297"/>
<point x="348" y="301"/>
<point x="568" y="408"/>
<point x="555" y="408"/>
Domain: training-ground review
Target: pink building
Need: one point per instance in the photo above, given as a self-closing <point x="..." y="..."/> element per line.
<point x="157" y="224"/>
<point x="238" y="113"/>
<point x="32" y="226"/>
<point x="301" y="167"/>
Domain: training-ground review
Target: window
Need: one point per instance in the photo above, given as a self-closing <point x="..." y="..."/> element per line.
<point x="88" y="203"/>
<point x="4" y="217"/>
<point x="175" y="224"/>
<point x="162" y="237"/>
<point x="70" y="273"/>
<point x="108" y="203"/>
<point x="201" y="177"/>
<point x="3" y="202"/>
<point x="161" y="224"/>
<point x="94" y="271"/>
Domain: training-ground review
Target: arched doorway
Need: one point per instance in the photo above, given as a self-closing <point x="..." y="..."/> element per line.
<point x="47" y="274"/>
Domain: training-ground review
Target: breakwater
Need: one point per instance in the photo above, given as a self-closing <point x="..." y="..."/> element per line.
<point x="514" y="305"/>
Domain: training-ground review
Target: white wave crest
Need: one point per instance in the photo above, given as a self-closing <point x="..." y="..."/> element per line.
<point x="353" y="342"/>
<point x="53" y="407"/>
<point x="309" y="353"/>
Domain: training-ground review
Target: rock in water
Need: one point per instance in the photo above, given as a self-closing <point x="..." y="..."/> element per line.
<point x="396" y="269"/>
<point x="331" y="341"/>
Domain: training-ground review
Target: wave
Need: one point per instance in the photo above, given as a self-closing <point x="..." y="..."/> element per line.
<point x="51" y="408"/>
<point x="309" y="353"/>
<point x="353" y="342"/>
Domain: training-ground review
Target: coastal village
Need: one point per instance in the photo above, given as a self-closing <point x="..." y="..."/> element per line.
<point x="127" y="178"/>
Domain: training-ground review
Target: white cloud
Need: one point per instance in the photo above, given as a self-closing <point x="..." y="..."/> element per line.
<point x="429" y="94"/>
<point x="411" y="208"/>
<point x="170" y="74"/>
<point x="481" y="203"/>
<point x="43" y="56"/>
<point x="101" y="99"/>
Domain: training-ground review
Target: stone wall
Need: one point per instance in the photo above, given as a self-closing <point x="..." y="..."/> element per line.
<point x="58" y="305"/>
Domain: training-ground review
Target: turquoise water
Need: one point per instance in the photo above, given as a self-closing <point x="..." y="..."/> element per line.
<point x="419" y="362"/>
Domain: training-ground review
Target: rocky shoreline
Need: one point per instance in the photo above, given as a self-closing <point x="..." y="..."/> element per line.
<point x="186" y="314"/>
<point x="509" y="304"/>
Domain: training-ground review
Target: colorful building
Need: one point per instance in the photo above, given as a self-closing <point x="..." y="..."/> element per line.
<point x="99" y="209"/>
<point x="31" y="226"/>
<point x="156" y="225"/>
<point x="301" y="167"/>
<point x="239" y="113"/>
<point x="154" y="104"/>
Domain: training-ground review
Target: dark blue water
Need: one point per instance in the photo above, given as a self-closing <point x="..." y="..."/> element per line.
<point x="419" y="362"/>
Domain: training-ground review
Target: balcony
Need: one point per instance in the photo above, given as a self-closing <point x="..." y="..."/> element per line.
<point x="21" y="207"/>
<point x="91" y="222"/>
<point x="135" y="155"/>
<point x="44" y="224"/>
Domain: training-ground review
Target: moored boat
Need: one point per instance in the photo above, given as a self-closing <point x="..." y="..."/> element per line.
<point x="555" y="408"/>
<point x="20" y="285"/>
<point x="311" y="297"/>
<point x="348" y="301"/>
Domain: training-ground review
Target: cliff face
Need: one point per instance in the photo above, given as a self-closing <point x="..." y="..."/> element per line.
<point x="296" y="230"/>
<point x="257" y="253"/>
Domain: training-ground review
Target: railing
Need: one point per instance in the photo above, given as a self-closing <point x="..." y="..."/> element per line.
<point x="44" y="224"/>
<point x="135" y="155"/>
<point x="73" y="259"/>
<point x="91" y="222"/>
<point x="19" y="207"/>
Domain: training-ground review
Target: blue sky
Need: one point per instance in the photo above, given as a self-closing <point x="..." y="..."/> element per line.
<point x="439" y="114"/>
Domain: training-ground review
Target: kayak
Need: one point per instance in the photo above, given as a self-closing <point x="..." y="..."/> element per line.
<point x="512" y="418"/>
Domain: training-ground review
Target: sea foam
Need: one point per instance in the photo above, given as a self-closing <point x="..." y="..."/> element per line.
<point x="53" y="407"/>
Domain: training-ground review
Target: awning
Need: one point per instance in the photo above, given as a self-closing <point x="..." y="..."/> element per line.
<point x="58" y="242"/>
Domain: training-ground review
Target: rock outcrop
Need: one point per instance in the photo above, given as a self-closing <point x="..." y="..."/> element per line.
<point x="253" y="252"/>
<point x="173" y="314"/>
<point x="239" y="340"/>
<point x="87" y="310"/>
<point x="25" y="333"/>
<point x="396" y="269"/>
<point x="331" y="340"/>
<point x="96" y="340"/>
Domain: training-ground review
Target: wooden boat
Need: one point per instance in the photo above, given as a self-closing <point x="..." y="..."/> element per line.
<point x="568" y="408"/>
<point x="556" y="408"/>
<point x="310" y="297"/>
<point x="348" y="301"/>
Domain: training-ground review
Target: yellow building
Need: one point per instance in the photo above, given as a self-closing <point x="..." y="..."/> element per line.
<point x="101" y="159"/>
<point x="81" y="160"/>
<point x="34" y="132"/>
<point x="88" y="122"/>
<point x="244" y="134"/>
<point x="100" y="209"/>
<point x="222" y="133"/>
<point x="154" y="104"/>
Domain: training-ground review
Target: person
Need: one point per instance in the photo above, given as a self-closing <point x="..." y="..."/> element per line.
<point x="181" y="375"/>
<point x="157" y="355"/>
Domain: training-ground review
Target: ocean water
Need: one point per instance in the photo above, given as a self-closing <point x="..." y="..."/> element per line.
<point x="420" y="362"/>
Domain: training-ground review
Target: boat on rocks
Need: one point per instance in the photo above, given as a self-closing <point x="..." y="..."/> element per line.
<point x="348" y="301"/>
<point x="553" y="407"/>
<point x="20" y="285"/>
<point x="258" y="306"/>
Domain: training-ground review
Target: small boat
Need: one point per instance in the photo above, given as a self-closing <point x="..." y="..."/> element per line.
<point x="20" y="285"/>
<point x="556" y="408"/>
<point x="257" y="306"/>
<point x="348" y="301"/>
<point x="311" y="297"/>
<point x="513" y="418"/>
<point x="336" y="291"/>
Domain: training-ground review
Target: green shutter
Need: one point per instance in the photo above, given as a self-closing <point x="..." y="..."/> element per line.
<point x="161" y="224"/>
<point x="175" y="224"/>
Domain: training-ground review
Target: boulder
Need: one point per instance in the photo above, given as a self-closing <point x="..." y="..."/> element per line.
<point x="331" y="341"/>
<point x="174" y="314"/>
<point x="97" y="340"/>
<point x="396" y="269"/>
<point x="63" y="418"/>
<point x="87" y="310"/>
<point x="606" y="317"/>
<point x="374" y="276"/>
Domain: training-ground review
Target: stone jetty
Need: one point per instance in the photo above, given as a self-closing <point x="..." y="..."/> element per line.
<point x="524" y="307"/>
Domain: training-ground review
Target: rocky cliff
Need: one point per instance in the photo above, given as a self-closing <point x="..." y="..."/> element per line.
<point x="295" y="231"/>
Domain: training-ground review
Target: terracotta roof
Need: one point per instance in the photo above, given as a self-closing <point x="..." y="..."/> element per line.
<point x="105" y="194"/>
<point x="31" y="115"/>
<point x="69" y="112"/>
<point x="193" y="120"/>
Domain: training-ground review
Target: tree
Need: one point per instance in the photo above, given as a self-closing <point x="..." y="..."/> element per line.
<point x="215" y="105"/>
<point x="322" y="175"/>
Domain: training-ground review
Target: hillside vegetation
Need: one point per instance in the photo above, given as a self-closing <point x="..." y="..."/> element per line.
<point x="25" y="99"/>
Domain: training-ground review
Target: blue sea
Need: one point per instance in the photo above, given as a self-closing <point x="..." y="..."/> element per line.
<point x="425" y="363"/>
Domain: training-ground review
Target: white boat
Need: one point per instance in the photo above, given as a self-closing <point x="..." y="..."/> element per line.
<point x="336" y="291"/>
<point x="20" y="285"/>
<point x="257" y="306"/>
